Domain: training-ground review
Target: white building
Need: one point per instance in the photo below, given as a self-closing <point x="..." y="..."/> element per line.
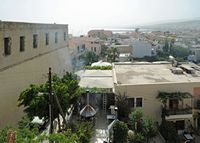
<point x="141" y="49"/>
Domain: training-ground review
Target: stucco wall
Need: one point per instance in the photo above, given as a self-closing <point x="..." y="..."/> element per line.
<point x="20" y="69"/>
<point x="19" y="77"/>
<point x="15" y="30"/>
<point x="151" y="105"/>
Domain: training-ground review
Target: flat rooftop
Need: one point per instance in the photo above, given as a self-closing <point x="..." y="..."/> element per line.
<point x="96" y="78"/>
<point x="151" y="73"/>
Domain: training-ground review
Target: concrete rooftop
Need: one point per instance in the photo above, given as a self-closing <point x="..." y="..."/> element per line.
<point x="151" y="73"/>
<point x="96" y="78"/>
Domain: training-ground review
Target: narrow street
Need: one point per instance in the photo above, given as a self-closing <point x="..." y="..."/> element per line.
<point x="101" y="124"/>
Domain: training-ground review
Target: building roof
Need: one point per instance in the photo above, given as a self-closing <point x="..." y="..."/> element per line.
<point x="96" y="78"/>
<point x="154" y="73"/>
<point x="101" y="63"/>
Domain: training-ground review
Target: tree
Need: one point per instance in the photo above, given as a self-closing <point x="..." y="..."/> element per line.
<point x="180" y="52"/>
<point x="120" y="132"/>
<point x="145" y="128"/>
<point x="150" y="129"/>
<point x="168" y="131"/>
<point x="166" y="46"/>
<point x="123" y="106"/>
<point x="103" y="50"/>
<point x="89" y="57"/>
<point x="65" y="90"/>
<point x="112" y="54"/>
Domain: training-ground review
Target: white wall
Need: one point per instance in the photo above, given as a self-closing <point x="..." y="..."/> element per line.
<point x="141" y="49"/>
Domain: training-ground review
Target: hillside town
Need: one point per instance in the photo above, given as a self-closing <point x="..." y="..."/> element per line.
<point x="99" y="71"/>
<point x="134" y="82"/>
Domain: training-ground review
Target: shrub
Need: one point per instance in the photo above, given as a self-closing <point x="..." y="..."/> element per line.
<point x="120" y="132"/>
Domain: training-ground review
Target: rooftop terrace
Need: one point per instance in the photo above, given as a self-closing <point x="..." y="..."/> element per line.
<point x="151" y="73"/>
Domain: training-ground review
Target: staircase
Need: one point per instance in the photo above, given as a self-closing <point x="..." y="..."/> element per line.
<point x="104" y="102"/>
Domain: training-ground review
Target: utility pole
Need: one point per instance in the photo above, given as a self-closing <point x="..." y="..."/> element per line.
<point x="50" y="103"/>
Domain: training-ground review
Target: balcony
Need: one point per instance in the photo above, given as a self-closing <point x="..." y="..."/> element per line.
<point x="187" y="110"/>
<point x="175" y="114"/>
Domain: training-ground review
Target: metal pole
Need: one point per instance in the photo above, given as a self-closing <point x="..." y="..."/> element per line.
<point x="50" y="104"/>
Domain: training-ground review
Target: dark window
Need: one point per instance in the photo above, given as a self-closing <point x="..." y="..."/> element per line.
<point x="173" y="104"/>
<point x="47" y="38"/>
<point x="95" y="49"/>
<point x="35" y="40"/>
<point x="7" y="46"/>
<point x="83" y="47"/>
<point x="78" y="48"/>
<point x="180" y="125"/>
<point x="22" y="44"/>
<point x="64" y="36"/>
<point x="138" y="102"/>
<point x="56" y="37"/>
<point x="131" y="102"/>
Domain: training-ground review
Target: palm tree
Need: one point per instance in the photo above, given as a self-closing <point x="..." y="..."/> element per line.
<point x="112" y="54"/>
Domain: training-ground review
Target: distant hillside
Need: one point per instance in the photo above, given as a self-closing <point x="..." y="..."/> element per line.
<point x="184" y="25"/>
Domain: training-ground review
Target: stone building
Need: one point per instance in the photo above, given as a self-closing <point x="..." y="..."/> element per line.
<point x="27" y="51"/>
<point x="102" y="34"/>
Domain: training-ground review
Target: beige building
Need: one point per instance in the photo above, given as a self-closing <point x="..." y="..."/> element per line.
<point x="79" y="45"/>
<point x="102" y="34"/>
<point x="82" y="44"/>
<point x="142" y="82"/>
<point x="27" y="51"/>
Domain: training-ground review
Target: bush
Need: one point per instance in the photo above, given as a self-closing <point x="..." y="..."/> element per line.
<point x="98" y="67"/>
<point x="168" y="131"/>
<point x="120" y="132"/>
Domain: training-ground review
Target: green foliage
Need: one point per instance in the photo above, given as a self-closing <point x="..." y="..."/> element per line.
<point x="164" y="96"/>
<point x="84" y="131"/>
<point x="93" y="90"/>
<point x="168" y="131"/>
<point x="166" y="46"/>
<point x="23" y="135"/>
<point x="81" y="134"/>
<point x="145" y="128"/>
<point x="120" y="132"/>
<point x="35" y="99"/>
<point x="112" y="54"/>
<point x="98" y="67"/>
<point x="149" y="128"/>
<point x="33" y="102"/>
<point x="123" y="106"/>
<point x="139" y="138"/>
<point x="89" y="57"/>
<point x="66" y="137"/>
<point x="3" y="134"/>
<point x="180" y="52"/>
<point x="103" y="50"/>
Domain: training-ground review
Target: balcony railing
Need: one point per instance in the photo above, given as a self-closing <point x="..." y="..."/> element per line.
<point x="179" y="111"/>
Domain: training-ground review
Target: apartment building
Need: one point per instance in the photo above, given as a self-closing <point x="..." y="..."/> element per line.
<point x="142" y="49"/>
<point x="142" y="83"/>
<point x="27" y="51"/>
<point x="102" y="34"/>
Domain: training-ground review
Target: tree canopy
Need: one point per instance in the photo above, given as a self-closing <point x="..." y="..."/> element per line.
<point x="112" y="54"/>
<point x="145" y="128"/>
<point x="35" y="99"/>
<point x="89" y="57"/>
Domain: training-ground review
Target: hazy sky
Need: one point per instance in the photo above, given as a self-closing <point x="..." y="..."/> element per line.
<point x="84" y="14"/>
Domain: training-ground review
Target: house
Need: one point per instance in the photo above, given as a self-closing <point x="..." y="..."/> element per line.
<point x="79" y="45"/>
<point x="142" y="49"/>
<point x="102" y="34"/>
<point x="142" y="83"/>
<point x="27" y="51"/>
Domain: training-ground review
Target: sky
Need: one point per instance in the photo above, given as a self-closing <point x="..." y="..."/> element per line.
<point x="82" y="15"/>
